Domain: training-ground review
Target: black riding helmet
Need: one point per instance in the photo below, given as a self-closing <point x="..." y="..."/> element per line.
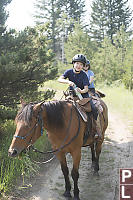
<point x="79" y="58"/>
<point x="87" y="62"/>
<point x="87" y="65"/>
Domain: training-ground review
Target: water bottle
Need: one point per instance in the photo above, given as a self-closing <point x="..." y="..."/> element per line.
<point x="77" y="93"/>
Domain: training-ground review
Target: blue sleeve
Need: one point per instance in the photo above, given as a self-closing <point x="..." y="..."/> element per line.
<point x="66" y="74"/>
<point x="91" y="73"/>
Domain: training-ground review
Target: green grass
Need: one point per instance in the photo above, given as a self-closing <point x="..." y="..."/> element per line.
<point x="13" y="169"/>
<point x="55" y="85"/>
<point x="120" y="100"/>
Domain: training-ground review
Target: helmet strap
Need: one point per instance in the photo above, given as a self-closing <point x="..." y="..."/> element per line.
<point x="86" y="70"/>
<point x="75" y="71"/>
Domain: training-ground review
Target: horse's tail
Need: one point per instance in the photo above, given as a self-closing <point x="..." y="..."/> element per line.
<point x="104" y="115"/>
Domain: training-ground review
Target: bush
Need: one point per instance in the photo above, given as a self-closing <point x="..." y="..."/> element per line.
<point x="7" y="113"/>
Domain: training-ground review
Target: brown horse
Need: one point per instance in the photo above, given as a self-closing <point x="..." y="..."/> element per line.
<point x="65" y="129"/>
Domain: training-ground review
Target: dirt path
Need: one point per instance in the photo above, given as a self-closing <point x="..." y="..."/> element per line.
<point x="116" y="153"/>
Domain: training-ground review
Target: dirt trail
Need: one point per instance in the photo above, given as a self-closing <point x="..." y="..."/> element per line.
<point x="116" y="153"/>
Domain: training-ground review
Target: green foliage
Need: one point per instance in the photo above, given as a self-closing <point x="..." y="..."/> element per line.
<point x="3" y="15"/>
<point x="109" y="61"/>
<point x="98" y="20"/>
<point x="119" y="99"/>
<point x="75" y="9"/>
<point x="78" y="42"/>
<point x="25" y="65"/>
<point x="128" y="68"/>
<point x="7" y="165"/>
<point x="62" y="67"/>
<point x="11" y="169"/>
<point x="107" y="17"/>
<point x="61" y="15"/>
<point x="119" y="14"/>
<point x="104" y="63"/>
<point x="7" y="113"/>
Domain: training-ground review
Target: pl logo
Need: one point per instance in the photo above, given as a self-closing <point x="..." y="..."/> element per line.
<point x="126" y="184"/>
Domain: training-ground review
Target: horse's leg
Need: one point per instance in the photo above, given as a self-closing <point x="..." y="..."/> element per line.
<point x="75" y="174"/>
<point x="93" y="156"/>
<point x="98" y="147"/>
<point x="65" y="171"/>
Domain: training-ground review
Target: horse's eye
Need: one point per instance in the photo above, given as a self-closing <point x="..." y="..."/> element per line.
<point x="26" y="126"/>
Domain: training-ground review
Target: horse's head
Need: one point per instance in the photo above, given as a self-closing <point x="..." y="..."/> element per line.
<point x="28" y="128"/>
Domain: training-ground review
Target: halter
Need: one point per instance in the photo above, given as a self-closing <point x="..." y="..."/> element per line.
<point x="38" y="123"/>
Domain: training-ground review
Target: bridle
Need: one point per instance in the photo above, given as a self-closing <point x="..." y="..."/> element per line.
<point x="38" y="123"/>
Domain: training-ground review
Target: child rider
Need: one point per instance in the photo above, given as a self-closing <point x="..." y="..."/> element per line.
<point x="76" y="76"/>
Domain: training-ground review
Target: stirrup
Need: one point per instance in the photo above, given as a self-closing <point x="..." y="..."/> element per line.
<point x="96" y="136"/>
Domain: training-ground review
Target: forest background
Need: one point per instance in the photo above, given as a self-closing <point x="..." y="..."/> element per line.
<point x="32" y="57"/>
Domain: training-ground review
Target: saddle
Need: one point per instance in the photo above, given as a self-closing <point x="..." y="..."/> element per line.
<point x="83" y="107"/>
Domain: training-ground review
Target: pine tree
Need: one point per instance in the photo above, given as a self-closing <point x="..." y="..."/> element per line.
<point x="107" y="17"/>
<point x="3" y="15"/>
<point x="104" y="63"/>
<point x="47" y="11"/>
<point x="109" y="60"/>
<point x="119" y="14"/>
<point x="25" y="63"/>
<point x="128" y="68"/>
<point x="75" y="9"/>
<point x="53" y="11"/>
<point x="98" y="22"/>
<point x="3" y="18"/>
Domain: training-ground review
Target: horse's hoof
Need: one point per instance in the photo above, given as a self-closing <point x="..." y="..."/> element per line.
<point x="92" y="166"/>
<point x="95" y="173"/>
<point x="67" y="194"/>
<point x="76" y="198"/>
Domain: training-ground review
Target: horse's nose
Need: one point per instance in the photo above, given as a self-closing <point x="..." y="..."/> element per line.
<point x="12" y="152"/>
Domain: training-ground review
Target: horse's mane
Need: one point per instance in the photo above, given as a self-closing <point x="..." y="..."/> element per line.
<point x="25" y="113"/>
<point x="54" y="111"/>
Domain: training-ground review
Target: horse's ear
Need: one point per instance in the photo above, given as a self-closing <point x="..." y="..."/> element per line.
<point x="22" y="101"/>
<point x="37" y="108"/>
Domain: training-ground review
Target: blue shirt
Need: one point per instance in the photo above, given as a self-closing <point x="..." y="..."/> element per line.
<point x="80" y="79"/>
<point x="90" y="73"/>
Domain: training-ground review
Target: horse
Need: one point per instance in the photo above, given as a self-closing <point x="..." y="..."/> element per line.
<point x="65" y="129"/>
